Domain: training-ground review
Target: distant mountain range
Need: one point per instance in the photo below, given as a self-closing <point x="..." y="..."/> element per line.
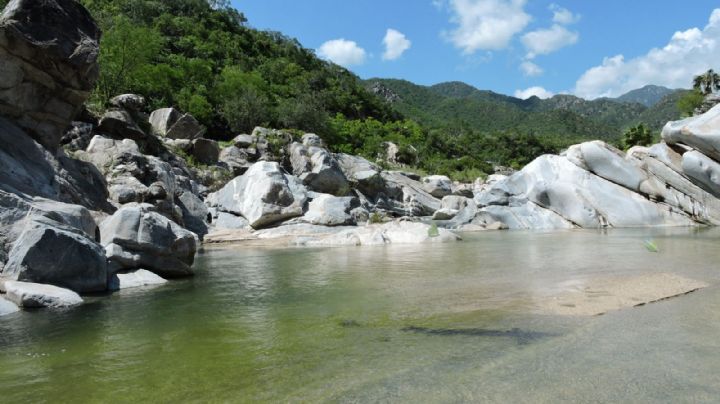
<point x="460" y="104"/>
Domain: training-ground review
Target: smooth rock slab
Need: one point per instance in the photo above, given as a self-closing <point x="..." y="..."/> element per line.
<point x="599" y="296"/>
<point x="136" y="279"/>
<point x="35" y="295"/>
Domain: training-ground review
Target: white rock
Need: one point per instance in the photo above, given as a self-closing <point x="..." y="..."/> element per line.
<point x="7" y="307"/>
<point x="30" y="295"/>
<point x="136" y="279"/>
<point x="700" y="132"/>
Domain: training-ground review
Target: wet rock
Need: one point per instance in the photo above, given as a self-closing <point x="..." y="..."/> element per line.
<point x="48" y="62"/>
<point x="36" y="295"/>
<point x="7" y="307"/>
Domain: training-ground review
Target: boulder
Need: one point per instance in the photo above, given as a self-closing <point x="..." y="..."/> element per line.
<point x="129" y="102"/>
<point x="136" y="279"/>
<point x="75" y="216"/>
<point x="445" y="214"/>
<point x="194" y="212"/>
<point x="48" y="62"/>
<point x="264" y="195"/>
<point x="363" y="175"/>
<point x="582" y="198"/>
<point x="317" y="168"/>
<point x="244" y="141"/>
<point x="522" y="217"/>
<point x="36" y="295"/>
<point x="186" y="127"/>
<point x="205" y="151"/>
<point x="163" y="119"/>
<point x="607" y="162"/>
<point x="438" y="186"/>
<point x="7" y="307"/>
<point x="699" y="132"/>
<point x="703" y="170"/>
<point x="414" y="200"/>
<point x="136" y="237"/>
<point x="329" y="210"/>
<point x="118" y="124"/>
<point x="225" y="220"/>
<point x="312" y="140"/>
<point x="50" y="252"/>
<point x="78" y="136"/>
<point x="236" y="159"/>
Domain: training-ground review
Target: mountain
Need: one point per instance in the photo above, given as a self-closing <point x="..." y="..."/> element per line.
<point x="647" y="96"/>
<point x="460" y="104"/>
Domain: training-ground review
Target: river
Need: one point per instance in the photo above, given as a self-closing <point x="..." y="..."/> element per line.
<point x="451" y="322"/>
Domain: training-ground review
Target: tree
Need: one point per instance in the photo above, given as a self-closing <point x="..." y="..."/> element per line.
<point x="690" y="101"/>
<point x="707" y="82"/>
<point x="638" y="135"/>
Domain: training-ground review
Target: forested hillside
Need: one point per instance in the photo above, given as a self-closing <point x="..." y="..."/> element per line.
<point x="204" y="57"/>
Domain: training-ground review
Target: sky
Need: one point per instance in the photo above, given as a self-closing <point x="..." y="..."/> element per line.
<point x="589" y="48"/>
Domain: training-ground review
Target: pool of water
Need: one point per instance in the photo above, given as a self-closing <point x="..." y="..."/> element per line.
<point x="425" y="323"/>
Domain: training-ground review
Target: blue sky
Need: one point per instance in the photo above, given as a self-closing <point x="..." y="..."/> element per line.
<point x="590" y="48"/>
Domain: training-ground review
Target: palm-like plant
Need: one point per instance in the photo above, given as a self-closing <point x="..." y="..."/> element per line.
<point x="707" y="82"/>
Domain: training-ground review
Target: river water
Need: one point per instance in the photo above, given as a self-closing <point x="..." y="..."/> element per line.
<point x="423" y="323"/>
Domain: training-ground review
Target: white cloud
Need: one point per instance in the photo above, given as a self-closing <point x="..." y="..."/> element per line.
<point x="549" y="40"/>
<point x="687" y="54"/>
<point x="533" y="91"/>
<point x="486" y="24"/>
<point x="563" y="15"/>
<point x="530" y="69"/>
<point x="395" y="44"/>
<point x="343" y="52"/>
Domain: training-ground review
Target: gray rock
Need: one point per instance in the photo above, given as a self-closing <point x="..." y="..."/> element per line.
<point x="438" y="186"/>
<point x="186" y="127"/>
<point x="318" y="169"/>
<point x="445" y="214"/>
<point x="700" y="132"/>
<point x="162" y="120"/>
<point x="120" y="125"/>
<point x="396" y="232"/>
<point x="415" y="201"/>
<point x="703" y="170"/>
<point x="49" y="252"/>
<point x="136" y="279"/>
<point x="36" y="295"/>
<point x="194" y="212"/>
<point x="244" y="141"/>
<point x="312" y="140"/>
<point x="7" y="307"/>
<point x="78" y="136"/>
<point x="135" y="237"/>
<point x="48" y="62"/>
<point x="235" y="159"/>
<point x="329" y="210"/>
<point x="455" y="202"/>
<point x="206" y="151"/>
<point x="129" y="102"/>
<point x="226" y="220"/>
<point x="607" y="162"/>
<point x="526" y="216"/>
<point x="264" y="195"/>
<point x="75" y="216"/>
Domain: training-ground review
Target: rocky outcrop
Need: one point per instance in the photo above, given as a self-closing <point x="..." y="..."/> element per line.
<point x="317" y="168"/>
<point x="438" y="186"/>
<point x="36" y="295"/>
<point x="264" y="195"/>
<point x="329" y="210"/>
<point x="136" y="237"/>
<point x="48" y="62"/>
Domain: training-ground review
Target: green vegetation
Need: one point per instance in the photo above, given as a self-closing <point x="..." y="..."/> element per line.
<point x="688" y="103"/>
<point x="707" y="82"/>
<point x="639" y="135"/>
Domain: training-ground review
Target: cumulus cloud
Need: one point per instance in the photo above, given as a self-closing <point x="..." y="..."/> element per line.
<point x="563" y="15"/>
<point x="687" y="54"/>
<point x="549" y="40"/>
<point x="486" y="24"/>
<point x="530" y="69"/>
<point x="395" y="44"/>
<point x="343" y="52"/>
<point x="533" y="91"/>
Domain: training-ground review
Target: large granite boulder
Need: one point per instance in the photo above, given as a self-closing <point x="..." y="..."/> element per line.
<point x="317" y="168"/>
<point x="438" y="186"/>
<point x="580" y="197"/>
<point x="411" y="197"/>
<point x="329" y="210"/>
<point x="703" y="170"/>
<point x="363" y="175"/>
<point x="699" y="132"/>
<point x="135" y="279"/>
<point x="48" y="62"/>
<point x="235" y="159"/>
<point x="136" y="237"/>
<point x="49" y="252"/>
<point x="264" y="195"/>
<point x="36" y="295"/>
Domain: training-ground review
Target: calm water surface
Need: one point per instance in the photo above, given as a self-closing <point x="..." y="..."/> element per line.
<point x="430" y="323"/>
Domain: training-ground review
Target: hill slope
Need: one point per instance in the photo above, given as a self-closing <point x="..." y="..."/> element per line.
<point x="648" y="95"/>
<point x="458" y="104"/>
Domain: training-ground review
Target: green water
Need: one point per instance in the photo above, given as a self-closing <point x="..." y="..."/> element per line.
<point x="429" y="323"/>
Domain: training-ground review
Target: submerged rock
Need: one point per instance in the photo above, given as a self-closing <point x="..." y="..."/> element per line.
<point x="36" y="295"/>
<point x="7" y="307"/>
